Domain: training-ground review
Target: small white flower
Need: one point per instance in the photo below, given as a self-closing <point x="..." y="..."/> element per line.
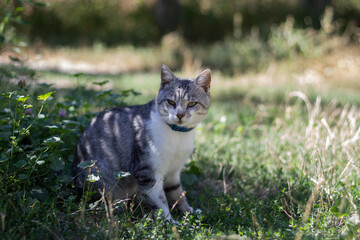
<point x="92" y="178"/>
<point x="223" y="119"/>
<point x="355" y="220"/>
<point x="198" y="211"/>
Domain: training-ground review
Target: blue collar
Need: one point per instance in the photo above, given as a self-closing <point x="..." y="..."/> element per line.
<point x="178" y="128"/>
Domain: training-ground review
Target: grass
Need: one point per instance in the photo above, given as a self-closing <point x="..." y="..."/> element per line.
<point x="269" y="163"/>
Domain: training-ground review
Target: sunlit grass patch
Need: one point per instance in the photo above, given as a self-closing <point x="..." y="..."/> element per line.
<point x="304" y="161"/>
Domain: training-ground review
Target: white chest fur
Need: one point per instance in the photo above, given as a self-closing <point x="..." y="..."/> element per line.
<point x="168" y="149"/>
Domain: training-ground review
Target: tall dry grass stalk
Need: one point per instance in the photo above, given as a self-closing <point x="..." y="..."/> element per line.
<point x="330" y="137"/>
<point x="328" y="148"/>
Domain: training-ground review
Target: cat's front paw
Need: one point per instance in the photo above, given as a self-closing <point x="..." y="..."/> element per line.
<point x="198" y="211"/>
<point x="173" y="222"/>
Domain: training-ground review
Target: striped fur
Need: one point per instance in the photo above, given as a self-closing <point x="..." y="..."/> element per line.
<point x="138" y="140"/>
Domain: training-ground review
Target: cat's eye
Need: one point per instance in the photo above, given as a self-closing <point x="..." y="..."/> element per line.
<point x="191" y="104"/>
<point x="171" y="102"/>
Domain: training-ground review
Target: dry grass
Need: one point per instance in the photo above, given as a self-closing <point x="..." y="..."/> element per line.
<point x="328" y="147"/>
<point x="330" y="137"/>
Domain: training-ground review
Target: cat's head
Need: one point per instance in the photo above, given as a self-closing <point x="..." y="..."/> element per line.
<point x="183" y="102"/>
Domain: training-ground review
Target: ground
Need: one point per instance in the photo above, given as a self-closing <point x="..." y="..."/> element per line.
<point x="276" y="156"/>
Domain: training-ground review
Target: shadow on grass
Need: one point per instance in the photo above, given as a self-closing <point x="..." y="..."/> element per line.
<point x="249" y="200"/>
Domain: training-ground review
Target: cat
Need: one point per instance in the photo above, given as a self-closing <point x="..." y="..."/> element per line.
<point x="151" y="142"/>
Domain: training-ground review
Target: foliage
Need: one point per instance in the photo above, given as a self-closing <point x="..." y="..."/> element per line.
<point x="94" y="21"/>
<point x="254" y="55"/>
<point x="234" y="57"/>
<point x="37" y="141"/>
<point x="10" y="18"/>
<point x="286" y="41"/>
<point x="115" y="22"/>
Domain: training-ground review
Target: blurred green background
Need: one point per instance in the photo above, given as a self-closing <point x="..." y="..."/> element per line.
<point x="114" y="22"/>
<point x="231" y="36"/>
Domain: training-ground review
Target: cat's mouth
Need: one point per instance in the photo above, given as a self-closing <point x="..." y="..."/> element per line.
<point x="181" y="122"/>
<point x="178" y="122"/>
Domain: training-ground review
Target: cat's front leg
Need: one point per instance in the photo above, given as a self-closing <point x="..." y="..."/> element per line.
<point x="155" y="197"/>
<point x="175" y="193"/>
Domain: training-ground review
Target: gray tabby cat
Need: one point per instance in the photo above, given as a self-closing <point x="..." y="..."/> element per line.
<point x="151" y="142"/>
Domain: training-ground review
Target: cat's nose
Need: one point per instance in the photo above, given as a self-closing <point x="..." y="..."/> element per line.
<point x="180" y="116"/>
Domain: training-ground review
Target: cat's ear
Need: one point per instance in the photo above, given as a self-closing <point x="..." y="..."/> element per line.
<point x="204" y="80"/>
<point x="166" y="76"/>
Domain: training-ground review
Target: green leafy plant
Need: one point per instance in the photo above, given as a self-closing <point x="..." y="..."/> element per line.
<point x="10" y="18"/>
